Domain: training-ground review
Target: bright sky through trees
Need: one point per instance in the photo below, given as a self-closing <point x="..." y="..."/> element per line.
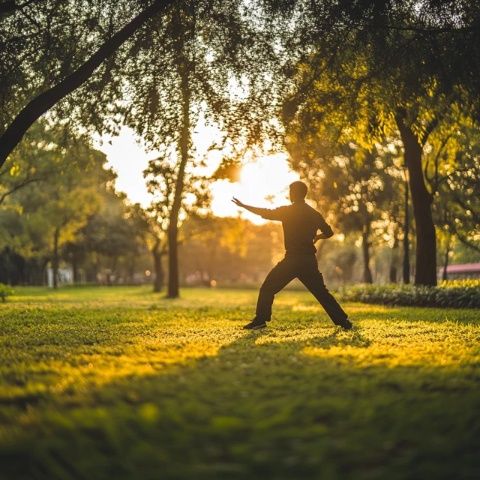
<point x="263" y="182"/>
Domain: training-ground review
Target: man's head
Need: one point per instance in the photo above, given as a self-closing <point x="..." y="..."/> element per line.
<point x="298" y="191"/>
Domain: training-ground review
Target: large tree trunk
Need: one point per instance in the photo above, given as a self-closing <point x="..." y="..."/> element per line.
<point x="184" y="147"/>
<point x="406" y="237"/>
<point x="55" y="257"/>
<point x="426" y="251"/>
<point x="157" y="266"/>
<point x="46" y="100"/>
<point x="367" y="273"/>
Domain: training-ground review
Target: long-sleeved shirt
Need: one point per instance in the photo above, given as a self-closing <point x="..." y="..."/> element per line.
<point x="300" y="224"/>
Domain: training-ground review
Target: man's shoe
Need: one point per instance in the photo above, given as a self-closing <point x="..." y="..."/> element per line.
<point x="255" y="325"/>
<point x="346" y="324"/>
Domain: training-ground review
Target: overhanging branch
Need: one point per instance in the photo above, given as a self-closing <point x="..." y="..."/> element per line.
<point x="46" y="100"/>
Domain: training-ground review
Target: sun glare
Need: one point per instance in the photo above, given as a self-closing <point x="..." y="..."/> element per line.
<point x="263" y="182"/>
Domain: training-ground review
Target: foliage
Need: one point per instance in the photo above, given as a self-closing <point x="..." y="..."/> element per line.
<point x="457" y="294"/>
<point x="358" y="188"/>
<point x="110" y="245"/>
<point x="452" y="170"/>
<point x="68" y="197"/>
<point x="161" y="177"/>
<point x="36" y="160"/>
<point x="43" y="42"/>
<point x="389" y="73"/>
<point x="48" y="204"/>
<point x="96" y="381"/>
<point x="5" y="291"/>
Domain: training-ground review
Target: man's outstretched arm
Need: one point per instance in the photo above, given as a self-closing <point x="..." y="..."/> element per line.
<point x="263" y="212"/>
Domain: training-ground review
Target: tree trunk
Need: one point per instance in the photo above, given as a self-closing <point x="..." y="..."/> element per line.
<point x="43" y="272"/>
<point x="426" y="249"/>
<point x="46" y="100"/>
<point x="392" y="274"/>
<point x="157" y="266"/>
<point x="131" y="270"/>
<point x="184" y="147"/>
<point x="75" y="269"/>
<point x="445" y="259"/>
<point x="55" y="259"/>
<point x="367" y="273"/>
<point x="173" y="283"/>
<point x="406" y="237"/>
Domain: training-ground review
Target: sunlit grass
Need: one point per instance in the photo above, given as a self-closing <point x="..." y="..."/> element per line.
<point x="120" y="383"/>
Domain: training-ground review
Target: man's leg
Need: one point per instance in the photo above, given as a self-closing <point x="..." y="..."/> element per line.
<point x="313" y="280"/>
<point x="281" y="275"/>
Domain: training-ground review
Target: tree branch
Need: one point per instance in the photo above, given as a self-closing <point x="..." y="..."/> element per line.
<point x="466" y="242"/>
<point x="428" y="130"/>
<point x="19" y="186"/>
<point x="434" y="186"/>
<point x="46" y="100"/>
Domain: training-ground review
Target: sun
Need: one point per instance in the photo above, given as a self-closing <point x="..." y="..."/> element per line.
<point x="263" y="183"/>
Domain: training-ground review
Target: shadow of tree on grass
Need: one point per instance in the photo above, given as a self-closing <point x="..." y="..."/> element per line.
<point x="262" y="407"/>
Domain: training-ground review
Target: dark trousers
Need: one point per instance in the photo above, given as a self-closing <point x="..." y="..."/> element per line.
<point x="305" y="268"/>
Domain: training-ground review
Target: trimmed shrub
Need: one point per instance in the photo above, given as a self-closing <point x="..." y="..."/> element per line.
<point x="453" y="294"/>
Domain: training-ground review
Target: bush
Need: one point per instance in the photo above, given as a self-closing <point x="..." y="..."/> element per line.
<point x="5" y="291"/>
<point x="454" y="294"/>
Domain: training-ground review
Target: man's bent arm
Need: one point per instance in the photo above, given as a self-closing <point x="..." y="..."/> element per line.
<point x="325" y="228"/>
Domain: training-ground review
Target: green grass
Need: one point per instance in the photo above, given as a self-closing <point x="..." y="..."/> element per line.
<point x="119" y="383"/>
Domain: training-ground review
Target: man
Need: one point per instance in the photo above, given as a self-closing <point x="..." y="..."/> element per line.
<point x="300" y="226"/>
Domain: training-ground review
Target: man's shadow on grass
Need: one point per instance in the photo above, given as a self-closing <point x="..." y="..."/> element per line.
<point x="338" y="337"/>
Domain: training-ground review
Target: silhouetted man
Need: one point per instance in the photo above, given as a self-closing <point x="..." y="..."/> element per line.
<point x="300" y="226"/>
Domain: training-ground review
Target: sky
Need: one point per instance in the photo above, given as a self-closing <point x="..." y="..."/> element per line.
<point x="263" y="181"/>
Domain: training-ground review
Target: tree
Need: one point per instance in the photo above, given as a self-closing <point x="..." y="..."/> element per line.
<point x="51" y="213"/>
<point x="162" y="183"/>
<point x="391" y="69"/>
<point x="151" y="223"/>
<point x="36" y="160"/>
<point x="170" y="71"/>
<point x="182" y="79"/>
<point x="452" y="170"/>
<point x="110" y="247"/>
<point x="65" y="205"/>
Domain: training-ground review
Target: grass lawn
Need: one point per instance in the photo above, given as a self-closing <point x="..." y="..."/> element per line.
<point x="118" y="383"/>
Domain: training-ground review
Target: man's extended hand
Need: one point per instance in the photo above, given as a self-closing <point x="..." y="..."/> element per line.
<point x="237" y="202"/>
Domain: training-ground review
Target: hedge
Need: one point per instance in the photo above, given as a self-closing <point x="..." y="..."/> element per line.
<point x="454" y="294"/>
